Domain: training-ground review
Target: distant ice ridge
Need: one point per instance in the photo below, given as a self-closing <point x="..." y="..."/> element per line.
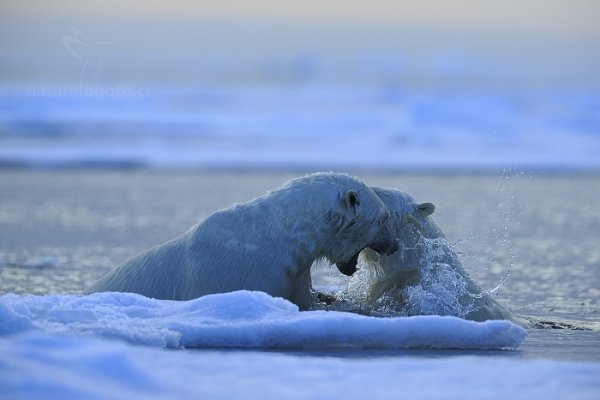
<point x="242" y="320"/>
<point x="46" y="262"/>
<point x="376" y="126"/>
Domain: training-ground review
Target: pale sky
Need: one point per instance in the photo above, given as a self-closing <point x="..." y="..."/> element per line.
<point x="535" y="38"/>
<point x="539" y="17"/>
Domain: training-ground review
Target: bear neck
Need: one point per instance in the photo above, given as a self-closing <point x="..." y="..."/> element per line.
<point x="306" y="229"/>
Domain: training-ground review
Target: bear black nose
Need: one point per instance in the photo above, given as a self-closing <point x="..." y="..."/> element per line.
<point x="385" y="241"/>
<point x="348" y="267"/>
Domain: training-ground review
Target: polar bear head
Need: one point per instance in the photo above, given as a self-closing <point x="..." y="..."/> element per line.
<point x="362" y="223"/>
<point x="410" y="222"/>
<point x="352" y="217"/>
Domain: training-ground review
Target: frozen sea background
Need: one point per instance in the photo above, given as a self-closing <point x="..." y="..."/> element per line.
<point x="270" y="94"/>
<point x="300" y="125"/>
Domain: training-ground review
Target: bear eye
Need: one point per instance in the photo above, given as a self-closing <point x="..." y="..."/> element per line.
<point x="353" y="198"/>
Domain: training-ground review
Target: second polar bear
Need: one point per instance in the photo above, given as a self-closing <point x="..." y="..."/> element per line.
<point x="425" y="275"/>
<point x="267" y="244"/>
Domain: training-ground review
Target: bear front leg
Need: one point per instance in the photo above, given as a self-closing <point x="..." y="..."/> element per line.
<point x="301" y="292"/>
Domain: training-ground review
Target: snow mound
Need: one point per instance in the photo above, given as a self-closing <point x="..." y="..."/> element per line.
<point x="242" y="320"/>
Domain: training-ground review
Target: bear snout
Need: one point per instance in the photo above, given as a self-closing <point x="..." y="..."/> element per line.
<point x="385" y="242"/>
<point x="348" y="268"/>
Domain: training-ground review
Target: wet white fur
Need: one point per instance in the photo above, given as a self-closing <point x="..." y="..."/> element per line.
<point x="267" y="244"/>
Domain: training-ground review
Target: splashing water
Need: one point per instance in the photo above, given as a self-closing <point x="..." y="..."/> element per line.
<point x="443" y="288"/>
<point x="436" y="285"/>
<point x="509" y="211"/>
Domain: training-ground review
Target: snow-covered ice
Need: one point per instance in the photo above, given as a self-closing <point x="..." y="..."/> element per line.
<point x="242" y="320"/>
<point x="65" y="346"/>
<point x="38" y="365"/>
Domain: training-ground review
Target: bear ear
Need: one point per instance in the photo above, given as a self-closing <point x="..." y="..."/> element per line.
<point x="425" y="209"/>
<point x="351" y="201"/>
<point x="352" y="198"/>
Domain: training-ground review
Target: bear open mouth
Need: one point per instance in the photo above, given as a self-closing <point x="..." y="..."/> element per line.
<point x="386" y="248"/>
<point x="348" y="267"/>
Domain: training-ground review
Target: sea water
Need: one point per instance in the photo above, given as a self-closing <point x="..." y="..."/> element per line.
<point x="529" y="240"/>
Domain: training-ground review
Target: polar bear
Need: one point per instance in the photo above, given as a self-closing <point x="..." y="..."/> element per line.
<point x="425" y="275"/>
<point x="267" y="244"/>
